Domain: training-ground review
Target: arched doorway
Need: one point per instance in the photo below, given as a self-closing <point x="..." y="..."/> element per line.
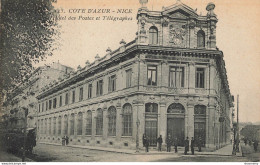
<point x="175" y="122"/>
<point x="151" y="122"/>
<point x="200" y="124"/>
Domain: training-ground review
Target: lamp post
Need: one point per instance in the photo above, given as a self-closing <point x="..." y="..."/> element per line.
<point x="234" y="142"/>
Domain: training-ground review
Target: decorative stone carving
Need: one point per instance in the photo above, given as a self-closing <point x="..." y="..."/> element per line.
<point x="177" y="35"/>
<point x="192" y="24"/>
<point x="165" y="21"/>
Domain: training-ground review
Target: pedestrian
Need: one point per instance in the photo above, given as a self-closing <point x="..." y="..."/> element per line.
<point x="67" y="140"/>
<point x="192" y="143"/>
<point x="255" y="145"/>
<point x="147" y="144"/>
<point x="144" y="137"/>
<point x="168" y="143"/>
<point x="63" y="141"/>
<point x="200" y="144"/>
<point x="250" y="142"/>
<point x="176" y="145"/>
<point x="159" y="141"/>
<point x="186" y="145"/>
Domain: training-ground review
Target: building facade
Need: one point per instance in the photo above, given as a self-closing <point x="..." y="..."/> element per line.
<point x="171" y="79"/>
<point x="23" y="99"/>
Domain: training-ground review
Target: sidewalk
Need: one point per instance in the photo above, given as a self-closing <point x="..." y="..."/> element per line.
<point x="7" y="157"/>
<point x="225" y="151"/>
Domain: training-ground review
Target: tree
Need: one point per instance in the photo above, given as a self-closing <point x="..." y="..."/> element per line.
<point x="29" y="30"/>
<point x="250" y="132"/>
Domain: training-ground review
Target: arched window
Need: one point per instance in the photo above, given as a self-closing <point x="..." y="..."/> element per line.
<point x="99" y="122"/>
<point x="176" y="108"/>
<point x="127" y="120"/>
<point x="80" y="121"/>
<point x="72" y="121"/>
<point x="200" y="39"/>
<point x="200" y="110"/>
<point x="59" y="125"/>
<point x="65" y="125"/>
<point x="89" y="123"/>
<point x="151" y="108"/>
<point x="111" y="121"/>
<point x="153" y="35"/>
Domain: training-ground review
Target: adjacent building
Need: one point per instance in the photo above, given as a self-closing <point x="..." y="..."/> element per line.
<point x="171" y="79"/>
<point x="23" y="99"/>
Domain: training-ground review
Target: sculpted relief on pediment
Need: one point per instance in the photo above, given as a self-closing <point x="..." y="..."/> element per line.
<point x="178" y="15"/>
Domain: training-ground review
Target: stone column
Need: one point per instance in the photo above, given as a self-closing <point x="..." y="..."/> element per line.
<point x="105" y="123"/>
<point x="69" y="116"/>
<point x="93" y="124"/>
<point x="138" y="121"/>
<point x="190" y="119"/>
<point x="119" y="123"/>
<point x="210" y="120"/>
<point x="84" y="116"/>
<point x="75" y="124"/>
<point x="162" y="121"/>
<point x="212" y="76"/>
<point x="62" y="125"/>
<point x="192" y="75"/>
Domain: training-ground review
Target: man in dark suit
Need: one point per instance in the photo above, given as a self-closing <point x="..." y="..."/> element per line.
<point x="192" y="145"/>
<point x="159" y="141"/>
<point x="186" y="145"/>
<point x="168" y="143"/>
<point x="176" y="145"/>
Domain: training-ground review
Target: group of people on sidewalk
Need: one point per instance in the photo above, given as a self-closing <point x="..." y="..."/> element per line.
<point x="65" y="140"/>
<point x="255" y="143"/>
<point x="169" y="142"/>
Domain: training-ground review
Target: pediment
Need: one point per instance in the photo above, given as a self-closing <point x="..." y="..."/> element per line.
<point x="178" y="15"/>
<point x="179" y="11"/>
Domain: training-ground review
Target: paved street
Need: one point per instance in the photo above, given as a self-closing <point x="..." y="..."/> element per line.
<point x="52" y="153"/>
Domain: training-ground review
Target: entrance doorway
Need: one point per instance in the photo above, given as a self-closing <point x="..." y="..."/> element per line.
<point x="151" y="122"/>
<point x="200" y="124"/>
<point x="175" y="123"/>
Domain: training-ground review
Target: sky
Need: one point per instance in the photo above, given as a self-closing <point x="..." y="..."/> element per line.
<point x="237" y="36"/>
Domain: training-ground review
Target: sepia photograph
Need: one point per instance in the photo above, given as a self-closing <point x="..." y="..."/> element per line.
<point x="130" y="81"/>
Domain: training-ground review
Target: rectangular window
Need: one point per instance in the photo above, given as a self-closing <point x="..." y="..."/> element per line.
<point x="42" y="107"/>
<point x="60" y="101"/>
<point x="99" y="87"/>
<point x="152" y="75"/>
<point x="54" y="103"/>
<point x="200" y="77"/>
<point x="67" y="99"/>
<point x="73" y="96"/>
<point x="112" y="83"/>
<point x="46" y="105"/>
<point x="81" y="94"/>
<point x="89" y="90"/>
<point x="176" y="77"/>
<point x="39" y="107"/>
<point x="128" y="78"/>
<point x="50" y="104"/>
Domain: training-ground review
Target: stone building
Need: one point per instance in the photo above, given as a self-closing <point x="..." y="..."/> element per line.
<point x="23" y="98"/>
<point x="171" y="79"/>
